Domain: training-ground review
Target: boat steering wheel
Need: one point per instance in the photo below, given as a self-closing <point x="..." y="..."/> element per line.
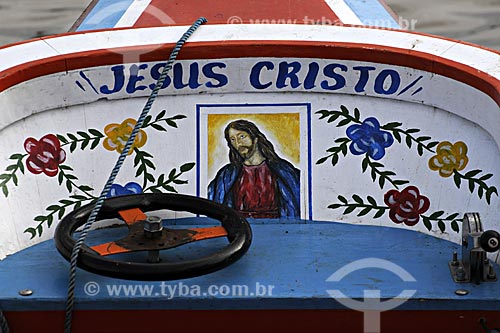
<point x="146" y="233"/>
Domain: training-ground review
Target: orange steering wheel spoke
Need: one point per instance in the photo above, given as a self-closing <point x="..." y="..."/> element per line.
<point x="107" y="249"/>
<point x="131" y="216"/>
<point x="165" y="238"/>
<point x="207" y="233"/>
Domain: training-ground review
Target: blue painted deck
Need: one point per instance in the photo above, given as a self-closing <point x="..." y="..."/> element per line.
<point x="296" y="259"/>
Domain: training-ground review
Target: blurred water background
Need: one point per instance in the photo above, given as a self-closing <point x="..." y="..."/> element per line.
<point x="475" y="21"/>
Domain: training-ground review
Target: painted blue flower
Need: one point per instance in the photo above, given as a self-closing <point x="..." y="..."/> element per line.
<point x="368" y="138"/>
<point x="129" y="188"/>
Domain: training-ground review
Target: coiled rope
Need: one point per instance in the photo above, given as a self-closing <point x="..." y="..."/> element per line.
<point x="76" y="249"/>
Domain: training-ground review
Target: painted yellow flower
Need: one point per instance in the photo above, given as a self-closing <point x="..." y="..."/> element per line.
<point x="449" y="157"/>
<point x="118" y="134"/>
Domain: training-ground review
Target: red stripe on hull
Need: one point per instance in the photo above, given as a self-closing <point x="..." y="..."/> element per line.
<point x="186" y="12"/>
<point x="249" y="321"/>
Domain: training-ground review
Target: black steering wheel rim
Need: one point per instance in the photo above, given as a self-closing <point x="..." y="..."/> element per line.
<point x="238" y="232"/>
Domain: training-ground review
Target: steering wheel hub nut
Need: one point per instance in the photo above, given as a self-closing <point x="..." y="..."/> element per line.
<point x="153" y="227"/>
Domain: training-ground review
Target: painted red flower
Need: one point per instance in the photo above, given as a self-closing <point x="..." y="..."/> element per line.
<point x="406" y="206"/>
<point x="45" y="155"/>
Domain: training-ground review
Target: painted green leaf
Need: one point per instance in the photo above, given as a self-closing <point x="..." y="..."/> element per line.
<point x="397" y="136"/>
<point x="412" y="130"/>
<point x="349" y="210"/>
<point x="96" y="133"/>
<point x="86" y="188"/>
<point x="342" y="199"/>
<point x="364" y="164"/>
<point x="322" y="160"/>
<point x="441" y="226"/>
<point x="158" y="127"/>
<point x="84" y="144"/>
<point x="364" y="211"/>
<point x="332" y="118"/>
<point x="31" y="231"/>
<point x="436" y="215"/>
<point x="472" y="173"/>
<point x="335" y="159"/>
<point x="420" y="150"/>
<point x="381" y="182"/>
<point x="161" y="115"/>
<point x="408" y="141"/>
<point x="356" y="114"/>
<point x="423" y="138"/>
<point x="342" y="140"/>
<point x="343" y="122"/>
<point x="471" y="186"/>
<point x="71" y="136"/>
<point x="83" y="135"/>
<point x="427" y="223"/>
<point x="323" y="113"/>
<point x="5" y="191"/>
<point x="452" y="216"/>
<point x="391" y="126"/>
<point x="62" y="138"/>
<point x="432" y="144"/>
<point x="171" y="123"/>
<point x="39" y="229"/>
<point x="147" y="120"/>
<point x="187" y="166"/>
<point x="456" y="179"/>
<point x="50" y="219"/>
<point x="380" y="212"/>
<point x="169" y="188"/>
<point x="150" y="178"/>
<point x="357" y="198"/>
<point x="486" y="177"/>
<point x="94" y="144"/>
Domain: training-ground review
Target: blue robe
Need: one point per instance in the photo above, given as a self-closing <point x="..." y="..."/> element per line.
<point x="220" y="188"/>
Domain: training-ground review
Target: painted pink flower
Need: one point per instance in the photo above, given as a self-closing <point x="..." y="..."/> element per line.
<point x="406" y="206"/>
<point x="45" y="155"/>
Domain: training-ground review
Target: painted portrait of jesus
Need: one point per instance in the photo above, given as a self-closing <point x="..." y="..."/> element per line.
<point x="256" y="182"/>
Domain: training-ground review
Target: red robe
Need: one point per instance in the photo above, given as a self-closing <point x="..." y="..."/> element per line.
<point x="255" y="192"/>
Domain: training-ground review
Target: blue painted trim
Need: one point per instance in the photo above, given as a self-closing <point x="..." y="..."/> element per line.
<point x="309" y="159"/>
<point x="105" y="14"/>
<point x="372" y="13"/>
<point x="297" y="259"/>
<point x="198" y="147"/>
<point x="309" y="162"/>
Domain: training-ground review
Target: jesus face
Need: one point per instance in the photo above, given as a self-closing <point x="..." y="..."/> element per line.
<point x="243" y="143"/>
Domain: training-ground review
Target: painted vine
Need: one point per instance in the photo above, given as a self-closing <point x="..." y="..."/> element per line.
<point x="48" y="156"/>
<point x="370" y="139"/>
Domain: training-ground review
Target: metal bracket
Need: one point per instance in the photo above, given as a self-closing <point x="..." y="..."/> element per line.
<point x="475" y="267"/>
